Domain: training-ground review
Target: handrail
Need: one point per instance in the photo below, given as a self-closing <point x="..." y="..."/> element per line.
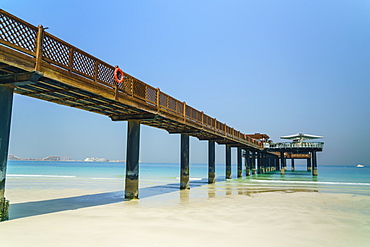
<point x="294" y="145"/>
<point x="26" y="38"/>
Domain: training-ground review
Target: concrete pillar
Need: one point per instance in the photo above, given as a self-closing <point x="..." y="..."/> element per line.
<point x="228" y="162"/>
<point x="253" y="162"/>
<point x="268" y="157"/>
<point x="272" y="163"/>
<point x="309" y="167"/>
<point x="132" y="160"/>
<point x="293" y="168"/>
<point x="211" y="162"/>
<point x="259" y="163"/>
<point x="314" y="164"/>
<point x="283" y="165"/>
<point x="6" y="103"/>
<point x="240" y="162"/>
<point x="247" y="163"/>
<point x="263" y="162"/>
<point x="184" y="171"/>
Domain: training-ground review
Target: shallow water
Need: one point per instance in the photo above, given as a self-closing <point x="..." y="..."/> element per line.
<point x="106" y="176"/>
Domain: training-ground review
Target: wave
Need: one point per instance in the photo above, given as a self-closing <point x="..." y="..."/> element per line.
<point x="44" y="176"/>
<point x="107" y="178"/>
<point x="310" y="182"/>
<point x="192" y="179"/>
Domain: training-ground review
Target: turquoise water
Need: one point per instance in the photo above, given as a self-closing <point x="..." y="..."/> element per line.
<point x="337" y="179"/>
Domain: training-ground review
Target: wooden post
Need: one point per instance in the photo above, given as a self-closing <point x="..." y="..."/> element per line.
<point x="132" y="160"/>
<point x="158" y="96"/>
<point x="116" y="91"/>
<point x="184" y="109"/>
<point x="6" y="103"/>
<point x="228" y="161"/>
<point x="184" y="170"/>
<point x="211" y="162"/>
<point x="293" y="168"/>
<point x="39" y="42"/>
<point x="240" y="162"/>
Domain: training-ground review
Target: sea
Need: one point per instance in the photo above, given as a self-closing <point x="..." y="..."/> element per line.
<point x="161" y="178"/>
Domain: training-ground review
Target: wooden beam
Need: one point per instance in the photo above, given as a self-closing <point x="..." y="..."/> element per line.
<point x="20" y="79"/>
<point x="185" y="132"/>
<point x="143" y="116"/>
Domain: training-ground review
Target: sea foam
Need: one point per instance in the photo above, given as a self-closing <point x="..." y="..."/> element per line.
<point x="45" y="176"/>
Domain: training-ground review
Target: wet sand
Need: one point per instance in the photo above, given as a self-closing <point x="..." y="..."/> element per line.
<point x="203" y="216"/>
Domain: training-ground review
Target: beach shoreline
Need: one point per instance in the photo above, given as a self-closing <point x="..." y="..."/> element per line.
<point x="207" y="215"/>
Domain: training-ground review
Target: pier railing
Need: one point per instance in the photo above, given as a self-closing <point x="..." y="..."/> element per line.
<point x="294" y="145"/>
<point x="43" y="47"/>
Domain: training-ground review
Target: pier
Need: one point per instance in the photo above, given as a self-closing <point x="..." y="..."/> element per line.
<point x="297" y="149"/>
<point x="37" y="64"/>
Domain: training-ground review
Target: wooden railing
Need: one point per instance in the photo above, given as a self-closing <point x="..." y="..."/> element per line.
<point x="294" y="145"/>
<point x="44" y="47"/>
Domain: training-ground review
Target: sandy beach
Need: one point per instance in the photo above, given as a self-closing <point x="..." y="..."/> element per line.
<point x="202" y="216"/>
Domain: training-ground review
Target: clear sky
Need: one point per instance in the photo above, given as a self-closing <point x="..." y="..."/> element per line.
<point x="274" y="67"/>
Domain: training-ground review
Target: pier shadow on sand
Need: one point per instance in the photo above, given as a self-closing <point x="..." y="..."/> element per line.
<point x="27" y="209"/>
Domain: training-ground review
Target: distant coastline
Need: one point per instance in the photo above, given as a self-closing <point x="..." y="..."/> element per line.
<point x="66" y="159"/>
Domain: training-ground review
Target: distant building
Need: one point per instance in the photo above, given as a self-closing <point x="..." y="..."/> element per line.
<point x="96" y="159"/>
<point x="51" y="158"/>
<point x="13" y="157"/>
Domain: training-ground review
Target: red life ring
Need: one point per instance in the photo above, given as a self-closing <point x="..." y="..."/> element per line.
<point x="116" y="72"/>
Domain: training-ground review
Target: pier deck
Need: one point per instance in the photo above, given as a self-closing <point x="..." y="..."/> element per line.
<point x="43" y="66"/>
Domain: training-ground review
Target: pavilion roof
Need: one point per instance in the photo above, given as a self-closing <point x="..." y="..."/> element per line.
<point x="258" y="136"/>
<point x="301" y="136"/>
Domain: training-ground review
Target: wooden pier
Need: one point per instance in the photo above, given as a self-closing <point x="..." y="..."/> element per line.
<point x="37" y="64"/>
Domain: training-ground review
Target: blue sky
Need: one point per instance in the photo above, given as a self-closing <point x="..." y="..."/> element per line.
<point x="275" y="67"/>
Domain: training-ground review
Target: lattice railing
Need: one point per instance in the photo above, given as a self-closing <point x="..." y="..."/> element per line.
<point x="31" y="40"/>
<point x="17" y="33"/>
<point x="294" y="145"/>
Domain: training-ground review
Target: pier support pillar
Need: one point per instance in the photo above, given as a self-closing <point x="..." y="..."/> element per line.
<point x="283" y="165"/>
<point x="293" y="168"/>
<point x="314" y="164"/>
<point x="309" y="168"/>
<point x="184" y="171"/>
<point x="247" y="163"/>
<point x="259" y="163"/>
<point x="253" y="162"/>
<point x="228" y="161"/>
<point x="269" y="161"/>
<point x="211" y="162"/>
<point x="6" y="103"/>
<point x="264" y="162"/>
<point x="240" y="162"/>
<point x="132" y="160"/>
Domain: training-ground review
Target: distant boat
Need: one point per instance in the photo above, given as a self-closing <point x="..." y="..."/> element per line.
<point x="359" y="165"/>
